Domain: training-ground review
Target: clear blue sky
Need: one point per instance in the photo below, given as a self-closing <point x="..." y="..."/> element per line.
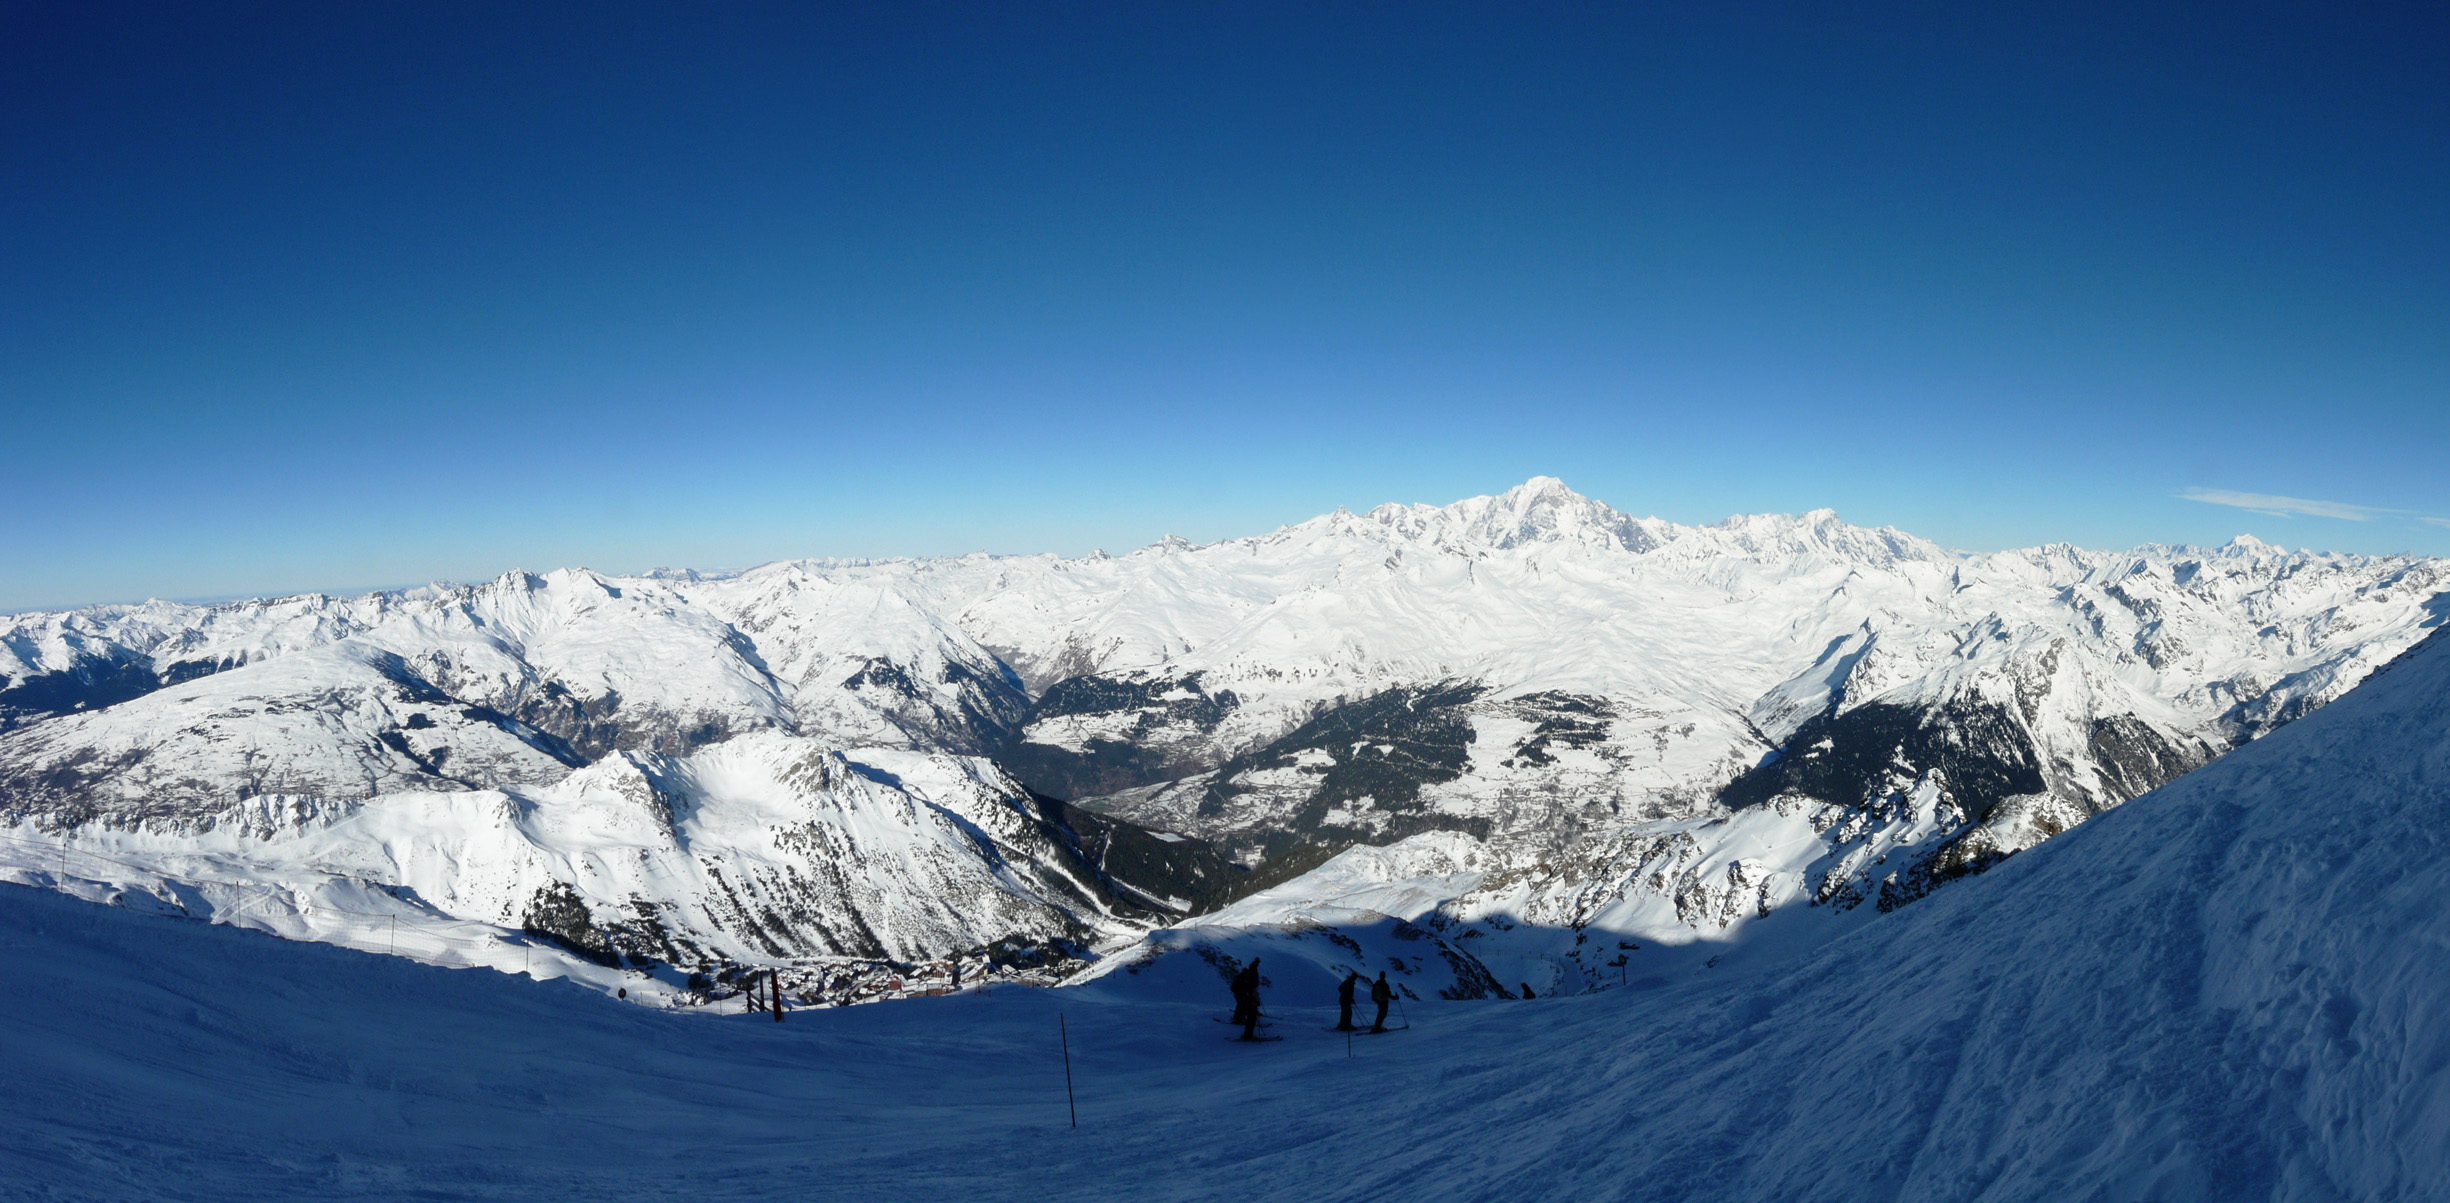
<point x="364" y="294"/>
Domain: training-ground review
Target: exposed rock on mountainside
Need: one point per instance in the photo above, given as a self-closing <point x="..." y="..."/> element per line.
<point x="1668" y="728"/>
<point x="764" y="850"/>
<point x="2227" y="990"/>
<point x="1095" y="735"/>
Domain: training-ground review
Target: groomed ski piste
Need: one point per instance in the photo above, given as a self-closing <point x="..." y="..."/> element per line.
<point x="2231" y="988"/>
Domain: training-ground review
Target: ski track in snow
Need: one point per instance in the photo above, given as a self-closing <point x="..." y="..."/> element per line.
<point x="2228" y="989"/>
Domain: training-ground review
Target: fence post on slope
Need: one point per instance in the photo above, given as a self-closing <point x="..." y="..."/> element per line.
<point x="774" y="992"/>
<point x="395" y="935"/>
<point x="1064" y="1033"/>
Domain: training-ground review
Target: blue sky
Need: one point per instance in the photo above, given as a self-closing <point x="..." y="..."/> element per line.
<point x="300" y="298"/>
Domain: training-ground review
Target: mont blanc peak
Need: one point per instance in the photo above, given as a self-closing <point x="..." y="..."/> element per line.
<point x="1541" y="510"/>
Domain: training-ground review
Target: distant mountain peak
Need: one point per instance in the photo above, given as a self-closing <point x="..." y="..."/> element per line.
<point x="1542" y="509"/>
<point x="1544" y="488"/>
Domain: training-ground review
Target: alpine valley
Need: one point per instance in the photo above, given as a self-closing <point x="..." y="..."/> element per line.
<point x="1521" y="740"/>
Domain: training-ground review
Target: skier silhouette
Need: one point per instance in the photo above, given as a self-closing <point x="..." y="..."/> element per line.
<point x="1246" y="999"/>
<point x="1382" y="994"/>
<point x="1344" y="1002"/>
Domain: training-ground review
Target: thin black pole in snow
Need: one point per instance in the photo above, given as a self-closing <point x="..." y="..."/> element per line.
<point x="1065" y="1035"/>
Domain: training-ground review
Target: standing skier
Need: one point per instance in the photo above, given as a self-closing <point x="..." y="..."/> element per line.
<point x="1344" y="1002"/>
<point x="1382" y="994"/>
<point x="1246" y="999"/>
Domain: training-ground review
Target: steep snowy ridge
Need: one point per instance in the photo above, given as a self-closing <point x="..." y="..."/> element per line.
<point x="597" y="662"/>
<point x="1541" y="510"/>
<point x="866" y="662"/>
<point x="1541" y="672"/>
<point x="1667" y="731"/>
<point x="346" y="720"/>
<point x="443" y="722"/>
<point x="765" y="850"/>
<point x="2227" y="989"/>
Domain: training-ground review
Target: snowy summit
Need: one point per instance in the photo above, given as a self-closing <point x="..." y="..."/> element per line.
<point x="1510" y="724"/>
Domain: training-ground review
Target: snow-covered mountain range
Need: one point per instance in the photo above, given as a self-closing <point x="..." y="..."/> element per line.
<point x="2229" y="989"/>
<point x="1547" y="720"/>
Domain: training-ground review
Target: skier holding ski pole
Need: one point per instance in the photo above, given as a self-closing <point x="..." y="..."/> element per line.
<point x="1381" y="993"/>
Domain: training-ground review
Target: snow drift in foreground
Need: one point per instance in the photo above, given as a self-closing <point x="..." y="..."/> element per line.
<point x="2228" y="989"/>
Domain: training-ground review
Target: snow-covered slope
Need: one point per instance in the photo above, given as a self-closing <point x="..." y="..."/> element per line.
<point x="1617" y="706"/>
<point x="1662" y="734"/>
<point x="775" y="772"/>
<point x="2228" y="989"/>
<point x="1675" y="656"/>
<point x="1660" y="729"/>
<point x="596" y="662"/>
<point x="856" y="878"/>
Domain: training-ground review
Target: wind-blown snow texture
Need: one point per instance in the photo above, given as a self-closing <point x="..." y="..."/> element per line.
<point x="1641" y="732"/>
<point x="2229" y="989"/>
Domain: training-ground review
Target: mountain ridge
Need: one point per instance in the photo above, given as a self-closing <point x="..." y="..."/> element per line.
<point x="1573" y="687"/>
<point x="2226" y="990"/>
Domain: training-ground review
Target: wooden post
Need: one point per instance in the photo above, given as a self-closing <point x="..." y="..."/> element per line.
<point x="774" y="991"/>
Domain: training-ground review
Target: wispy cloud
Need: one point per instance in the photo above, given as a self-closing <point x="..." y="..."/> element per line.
<point x="2289" y="507"/>
<point x="2275" y="506"/>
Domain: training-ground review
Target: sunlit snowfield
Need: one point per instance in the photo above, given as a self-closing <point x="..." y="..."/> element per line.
<point x="2229" y="989"/>
<point x="1565" y="734"/>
